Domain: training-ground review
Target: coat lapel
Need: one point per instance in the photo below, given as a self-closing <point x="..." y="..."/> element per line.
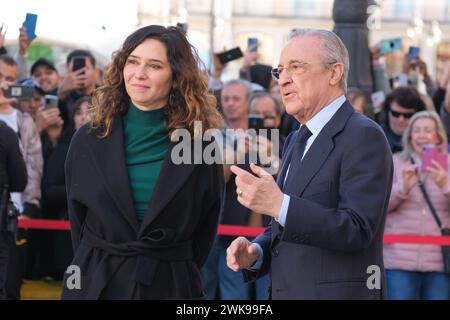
<point x="109" y="157"/>
<point x="319" y="150"/>
<point x="170" y="180"/>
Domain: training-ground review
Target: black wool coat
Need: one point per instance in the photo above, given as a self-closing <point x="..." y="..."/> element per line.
<point x="120" y="258"/>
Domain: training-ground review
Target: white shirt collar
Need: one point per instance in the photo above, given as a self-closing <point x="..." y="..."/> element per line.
<point x="316" y="124"/>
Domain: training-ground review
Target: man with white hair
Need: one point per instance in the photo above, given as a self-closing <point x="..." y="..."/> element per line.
<point x="330" y="199"/>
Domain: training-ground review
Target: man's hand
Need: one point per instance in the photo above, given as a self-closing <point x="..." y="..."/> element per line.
<point x="259" y="193"/>
<point x="2" y="36"/>
<point x="24" y="42"/>
<point x="218" y="66"/>
<point x="250" y="58"/>
<point x="47" y="118"/>
<point x="3" y="100"/>
<point x="241" y="254"/>
<point x="444" y="79"/>
<point x="72" y="81"/>
<point x="376" y="54"/>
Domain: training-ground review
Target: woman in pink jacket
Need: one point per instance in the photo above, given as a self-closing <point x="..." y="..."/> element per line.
<point x="415" y="271"/>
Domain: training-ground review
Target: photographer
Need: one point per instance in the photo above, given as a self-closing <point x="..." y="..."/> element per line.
<point x="13" y="178"/>
<point x="80" y="80"/>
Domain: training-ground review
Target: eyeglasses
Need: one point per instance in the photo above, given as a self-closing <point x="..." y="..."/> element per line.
<point x="397" y="114"/>
<point x="293" y="68"/>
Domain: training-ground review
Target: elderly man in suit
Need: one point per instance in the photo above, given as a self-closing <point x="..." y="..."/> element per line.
<point x="329" y="201"/>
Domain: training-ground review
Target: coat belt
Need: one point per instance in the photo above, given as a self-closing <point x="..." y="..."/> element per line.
<point x="149" y="251"/>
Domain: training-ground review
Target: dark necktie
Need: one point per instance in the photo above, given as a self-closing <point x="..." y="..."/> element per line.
<point x="297" y="153"/>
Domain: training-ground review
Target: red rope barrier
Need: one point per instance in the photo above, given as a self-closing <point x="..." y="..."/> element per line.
<point x="229" y="230"/>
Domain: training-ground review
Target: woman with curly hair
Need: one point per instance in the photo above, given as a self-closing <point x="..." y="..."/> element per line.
<point x="142" y="226"/>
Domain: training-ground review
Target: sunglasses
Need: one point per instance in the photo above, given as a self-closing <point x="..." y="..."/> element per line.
<point x="396" y="114"/>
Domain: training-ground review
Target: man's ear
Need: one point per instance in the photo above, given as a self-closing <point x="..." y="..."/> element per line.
<point x="337" y="72"/>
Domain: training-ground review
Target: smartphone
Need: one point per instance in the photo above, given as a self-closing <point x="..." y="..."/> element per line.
<point x="20" y="92"/>
<point x="230" y="55"/>
<point x="388" y="46"/>
<point x="437" y="153"/>
<point x="378" y="98"/>
<point x="255" y="122"/>
<point x="252" y="42"/>
<point x="30" y="24"/>
<point x="51" y="101"/>
<point x="400" y="80"/>
<point x="78" y="62"/>
<point x="183" y="27"/>
<point x="414" y="53"/>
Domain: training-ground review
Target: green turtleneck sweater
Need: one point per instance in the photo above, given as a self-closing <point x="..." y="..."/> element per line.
<point x="146" y="144"/>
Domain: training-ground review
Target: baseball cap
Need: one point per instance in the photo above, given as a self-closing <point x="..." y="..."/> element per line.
<point x="32" y="83"/>
<point x="43" y="62"/>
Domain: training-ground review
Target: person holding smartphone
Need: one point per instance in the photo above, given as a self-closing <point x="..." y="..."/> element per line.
<point x="142" y="226"/>
<point x="415" y="271"/>
<point x="80" y="80"/>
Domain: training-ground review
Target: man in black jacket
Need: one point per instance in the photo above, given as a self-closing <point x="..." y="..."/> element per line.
<point x="13" y="175"/>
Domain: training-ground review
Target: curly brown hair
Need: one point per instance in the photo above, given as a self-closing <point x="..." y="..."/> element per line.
<point x="189" y="99"/>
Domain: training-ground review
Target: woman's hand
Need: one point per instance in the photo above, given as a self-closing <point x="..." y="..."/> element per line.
<point x="410" y="179"/>
<point x="438" y="174"/>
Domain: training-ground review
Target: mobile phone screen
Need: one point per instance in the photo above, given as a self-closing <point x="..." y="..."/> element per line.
<point x="30" y="25"/>
<point x="252" y="42"/>
<point x="388" y="46"/>
<point x="437" y="153"/>
<point x="230" y="55"/>
<point x="79" y="62"/>
<point x="51" y="101"/>
<point x="413" y="53"/>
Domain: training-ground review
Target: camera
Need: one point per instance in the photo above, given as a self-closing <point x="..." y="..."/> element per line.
<point x="20" y="92"/>
<point x="8" y="213"/>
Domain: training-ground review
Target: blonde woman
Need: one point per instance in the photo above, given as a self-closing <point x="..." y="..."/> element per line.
<point x="415" y="271"/>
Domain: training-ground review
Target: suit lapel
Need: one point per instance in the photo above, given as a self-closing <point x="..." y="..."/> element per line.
<point x="319" y="150"/>
<point x="170" y="180"/>
<point x="109" y="157"/>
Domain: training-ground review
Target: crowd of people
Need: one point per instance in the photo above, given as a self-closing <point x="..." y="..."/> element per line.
<point x="119" y="175"/>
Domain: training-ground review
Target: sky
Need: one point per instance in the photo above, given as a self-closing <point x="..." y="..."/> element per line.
<point x="100" y="25"/>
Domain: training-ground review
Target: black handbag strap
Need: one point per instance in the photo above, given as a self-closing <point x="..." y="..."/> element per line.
<point x="430" y="205"/>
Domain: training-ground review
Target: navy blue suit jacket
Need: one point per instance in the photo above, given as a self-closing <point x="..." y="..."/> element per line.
<point x="335" y="220"/>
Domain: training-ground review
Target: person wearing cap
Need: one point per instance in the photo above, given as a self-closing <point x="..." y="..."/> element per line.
<point x="32" y="105"/>
<point x="46" y="75"/>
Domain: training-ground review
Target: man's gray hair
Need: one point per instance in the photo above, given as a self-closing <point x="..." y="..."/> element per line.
<point x="333" y="48"/>
<point x="246" y="84"/>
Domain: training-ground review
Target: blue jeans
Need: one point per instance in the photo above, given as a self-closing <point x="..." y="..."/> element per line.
<point x="410" y="285"/>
